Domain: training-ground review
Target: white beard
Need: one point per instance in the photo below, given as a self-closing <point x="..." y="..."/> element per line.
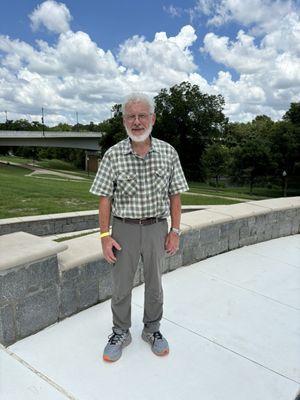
<point x="139" y="138"/>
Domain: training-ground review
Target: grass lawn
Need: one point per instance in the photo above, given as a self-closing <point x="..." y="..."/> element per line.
<point x="22" y="195"/>
<point x="259" y="193"/>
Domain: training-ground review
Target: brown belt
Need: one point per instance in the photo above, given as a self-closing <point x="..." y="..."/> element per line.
<point x="143" y="221"/>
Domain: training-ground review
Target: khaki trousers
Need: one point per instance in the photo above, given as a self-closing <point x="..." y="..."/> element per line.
<point x="146" y="241"/>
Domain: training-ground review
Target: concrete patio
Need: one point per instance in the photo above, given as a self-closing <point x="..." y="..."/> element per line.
<point x="232" y="321"/>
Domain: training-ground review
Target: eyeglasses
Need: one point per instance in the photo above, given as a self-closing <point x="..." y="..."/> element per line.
<point x="140" y="117"/>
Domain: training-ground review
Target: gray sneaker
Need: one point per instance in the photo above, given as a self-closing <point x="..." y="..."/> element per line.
<point x="159" y="344"/>
<point x="117" y="340"/>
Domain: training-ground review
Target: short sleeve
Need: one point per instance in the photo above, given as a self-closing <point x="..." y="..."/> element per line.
<point x="103" y="184"/>
<point x="178" y="183"/>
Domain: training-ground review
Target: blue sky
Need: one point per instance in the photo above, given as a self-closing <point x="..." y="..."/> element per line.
<point x="250" y="54"/>
<point x="110" y="23"/>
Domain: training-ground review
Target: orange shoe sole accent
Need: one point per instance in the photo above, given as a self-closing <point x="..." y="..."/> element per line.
<point x="106" y="358"/>
<point x="163" y="353"/>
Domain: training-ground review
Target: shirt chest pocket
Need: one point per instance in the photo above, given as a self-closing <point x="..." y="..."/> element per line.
<point x="127" y="184"/>
<point x="161" y="179"/>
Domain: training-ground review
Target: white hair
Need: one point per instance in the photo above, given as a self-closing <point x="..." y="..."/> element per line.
<point x="138" y="98"/>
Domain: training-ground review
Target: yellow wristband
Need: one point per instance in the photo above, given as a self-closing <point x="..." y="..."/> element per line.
<point x="104" y="234"/>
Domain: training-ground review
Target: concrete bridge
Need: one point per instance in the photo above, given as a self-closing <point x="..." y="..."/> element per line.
<point x="73" y="140"/>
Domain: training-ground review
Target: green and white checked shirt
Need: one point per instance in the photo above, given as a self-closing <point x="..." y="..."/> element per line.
<point x="140" y="187"/>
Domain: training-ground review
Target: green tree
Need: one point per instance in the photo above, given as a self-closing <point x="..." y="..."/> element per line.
<point x="21" y="125"/>
<point x="113" y="129"/>
<point x="215" y="160"/>
<point x="251" y="159"/>
<point x="63" y="127"/>
<point x="189" y="120"/>
<point x="285" y="143"/>
<point x="293" y="114"/>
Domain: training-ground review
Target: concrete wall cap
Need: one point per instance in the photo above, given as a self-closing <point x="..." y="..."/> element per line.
<point x="279" y="203"/>
<point x="199" y="218"/>
<point x="242" y="210"/>
<point x="88" y="212"/>
<point x="6" y="221"/>
<point x="22" y="248"/>
<point x="35" y="218"/>
<point x="80" y="251"/>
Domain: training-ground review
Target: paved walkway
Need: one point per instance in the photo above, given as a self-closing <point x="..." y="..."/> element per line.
<point x="217" y="195"/>
<point x="42" y="171"/>
<point x="233" y="324"/>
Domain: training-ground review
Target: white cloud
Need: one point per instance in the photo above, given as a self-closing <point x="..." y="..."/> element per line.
<point x="266" y="57"/>
<point x="173" y="10"/>
<point x="54" y="16"/>
<point x="75" y="74"/>
<point x="242" y="55"/>
<point x="264" y="14"/>
<point x="164" y="60"/>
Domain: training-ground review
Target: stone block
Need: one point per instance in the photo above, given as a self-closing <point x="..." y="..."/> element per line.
<point x="218" y="247"/>
<point x="260" y="233"/>
<point x="88" y="293"/>
<point x="295" y="226"/>
<point x="247" y="241"/>
<point x="68" y="299"/>
<point x="70" y="274"/>
<point x="105" y="281"/>
<point x="175" y="261"/>
<point x="285" y="229"/>
<point x="12" y="284"/>
<point x="253" y="230"/>
<point x="244" y="231"/>
<point x="267" y="233"/>
<point x="87" y="284"/>
<point x="225" y="230"/>
<point x="58" y="226"/>
<point x="198" y="253"/>
<point x="36" y="311"/>
<point x="188" y="255"/>
<point x="210" y="234"/>
<point x="190" y="238"/>
<point x="275" y="230"/>
<point x="7" y="325"/>
<point x="81" y="226"/>
<point x="273" y="217"/>
<point x="233" y="240"/>
<point x="291" y="213"/>
<point x="90" y="272"/>
<point x="5" y="229"/>
<point x="165" y="264"/>
<point x="42" y="274"/>
<point x="260" y="220"/>
<point x="68" y="228"/>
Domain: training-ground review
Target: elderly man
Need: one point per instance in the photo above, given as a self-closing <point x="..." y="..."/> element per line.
<point x="139" y="181"/>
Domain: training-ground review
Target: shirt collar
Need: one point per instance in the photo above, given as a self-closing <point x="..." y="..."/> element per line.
<point x="128" y="149"/>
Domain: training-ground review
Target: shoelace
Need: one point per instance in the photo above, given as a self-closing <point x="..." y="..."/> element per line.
<point x="115" y="338"/>
<point x="157" y="335"/>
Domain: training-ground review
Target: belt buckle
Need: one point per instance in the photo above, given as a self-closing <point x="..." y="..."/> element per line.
<point x="140" y="221"/>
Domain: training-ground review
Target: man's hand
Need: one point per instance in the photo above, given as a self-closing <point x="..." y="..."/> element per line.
<point x="172" y="243"/>
<point x="108" y="243"/>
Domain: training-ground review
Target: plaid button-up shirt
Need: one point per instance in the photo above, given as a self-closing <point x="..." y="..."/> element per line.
<point x="139" y="187"/>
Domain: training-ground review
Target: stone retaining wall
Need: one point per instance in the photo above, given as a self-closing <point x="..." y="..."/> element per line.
<point x="45" y="225"/>
<point x="54" y="224"/>
<point x="40" y="292"/>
